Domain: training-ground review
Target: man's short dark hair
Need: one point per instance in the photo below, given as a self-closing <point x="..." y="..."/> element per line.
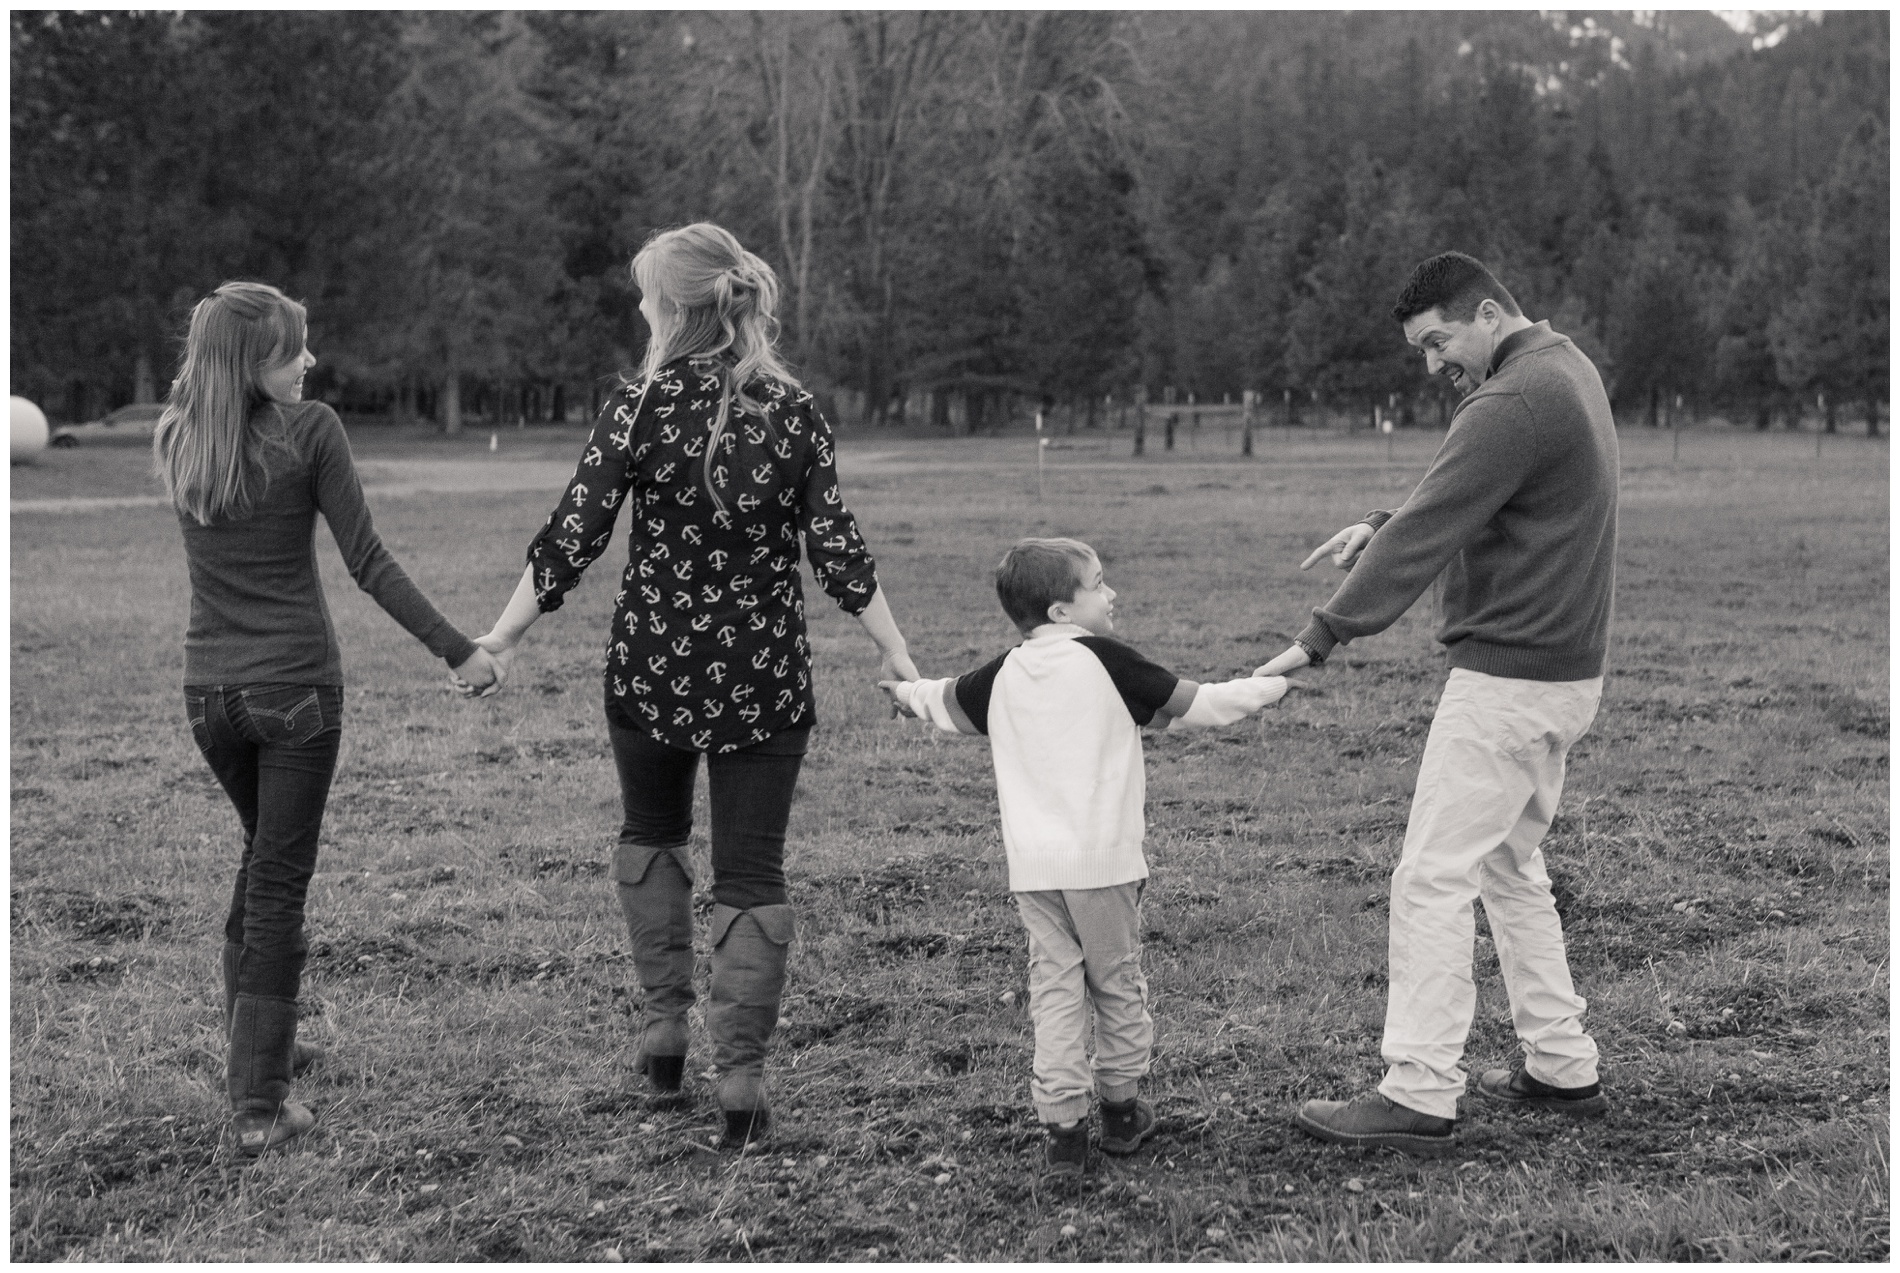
<point x="1036" y="574"/>
<point x="1453" y="284"/>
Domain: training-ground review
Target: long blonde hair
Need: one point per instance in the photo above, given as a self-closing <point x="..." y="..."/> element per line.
<point x="715" y="300"/>
<point x="210" y="459"/>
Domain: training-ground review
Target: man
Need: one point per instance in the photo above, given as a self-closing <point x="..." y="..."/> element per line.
<point x="1515" y="520"/>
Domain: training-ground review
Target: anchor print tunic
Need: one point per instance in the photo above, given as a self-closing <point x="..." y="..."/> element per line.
<point x="708" y="649"/>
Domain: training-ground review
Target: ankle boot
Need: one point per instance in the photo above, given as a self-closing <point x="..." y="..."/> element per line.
<point x="304" y="1055"/>
<point x="657" y="898"/>
<point x="750" y="949"/>
<point x="257" y="1075"/>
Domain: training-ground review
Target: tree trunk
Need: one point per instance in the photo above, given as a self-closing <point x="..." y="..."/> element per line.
<point x="1827" y="413"/>
<point x="1763" y="415"/>
<point x="452" y="404"/>
<point x="1873" y="416"/>
<point x="1655" y="402"/>
<point x="143" y="389"/>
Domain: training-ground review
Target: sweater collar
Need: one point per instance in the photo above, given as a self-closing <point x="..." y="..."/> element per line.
<point x="1518" y="342"/>
<point x="1047" y="632"/>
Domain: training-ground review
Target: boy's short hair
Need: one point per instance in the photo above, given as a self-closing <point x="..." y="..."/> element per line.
<point x="1453" y="284"/>
<point x="1036" y="574"/>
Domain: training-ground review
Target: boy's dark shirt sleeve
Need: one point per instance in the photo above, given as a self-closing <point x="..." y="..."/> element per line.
<point x="972" y="693"/>
<point x="1145" y="686"/>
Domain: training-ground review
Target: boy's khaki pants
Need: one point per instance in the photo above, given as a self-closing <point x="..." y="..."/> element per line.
<point x="1085" y="948"/>
<point x="1487" y="790"/>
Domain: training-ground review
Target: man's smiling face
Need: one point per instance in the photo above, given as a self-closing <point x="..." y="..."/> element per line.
<point x="1459" y="351"/>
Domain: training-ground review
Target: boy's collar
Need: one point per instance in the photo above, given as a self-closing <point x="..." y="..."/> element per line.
<point x="1049" y="631"/>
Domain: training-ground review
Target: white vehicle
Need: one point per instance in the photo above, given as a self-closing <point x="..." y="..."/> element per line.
<point x="128" y="424"/>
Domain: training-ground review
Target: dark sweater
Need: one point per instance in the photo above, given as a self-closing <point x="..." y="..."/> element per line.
<point x="1515" y="520"/>
<point x="257" y="608"/>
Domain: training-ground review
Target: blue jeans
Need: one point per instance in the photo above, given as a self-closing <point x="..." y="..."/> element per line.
<point x="273" y="749"/>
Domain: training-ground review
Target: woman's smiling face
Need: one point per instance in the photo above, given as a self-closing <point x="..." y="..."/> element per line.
<point x="284" y="382"/>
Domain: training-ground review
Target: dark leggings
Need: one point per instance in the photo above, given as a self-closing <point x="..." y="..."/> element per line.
<point x="749" y="792"/>
<point x="273" y="749"/>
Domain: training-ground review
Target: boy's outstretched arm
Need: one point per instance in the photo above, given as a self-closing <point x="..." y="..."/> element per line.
<point x="1197" y="706"/>
<point x="934" y="701"/>
<point x="956" y="705"/>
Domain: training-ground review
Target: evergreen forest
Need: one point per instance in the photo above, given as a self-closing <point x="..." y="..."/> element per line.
<point x="968" y="211"/>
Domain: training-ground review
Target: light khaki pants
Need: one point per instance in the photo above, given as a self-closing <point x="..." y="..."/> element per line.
<point x="1085" y="949"/>
<point x="1488" y="788"/>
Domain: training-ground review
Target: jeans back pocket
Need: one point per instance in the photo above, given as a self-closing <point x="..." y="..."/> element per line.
<point x="288" y="715"/>
<point x="196" y="708"/>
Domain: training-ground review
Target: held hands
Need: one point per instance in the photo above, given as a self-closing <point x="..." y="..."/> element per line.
<point x="896" y="666"/>
<point x="900" y="701"/>
<point x="486" y="670"/>
<point x="1288" y="660"/>
<point x="1345" y="547"/>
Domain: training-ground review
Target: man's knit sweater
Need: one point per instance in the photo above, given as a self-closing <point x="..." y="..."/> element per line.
<point x="1515" y="520"/>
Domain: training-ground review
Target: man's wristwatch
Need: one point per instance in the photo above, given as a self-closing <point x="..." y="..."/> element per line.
<point x="1313" y="657"/>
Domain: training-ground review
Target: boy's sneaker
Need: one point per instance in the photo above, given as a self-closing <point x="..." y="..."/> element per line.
<point x="1516" y="1087"/>
<point x="1065" y="1150"/>
<point x="1374" y="1121"/>
<point x="1125" y="1124"/>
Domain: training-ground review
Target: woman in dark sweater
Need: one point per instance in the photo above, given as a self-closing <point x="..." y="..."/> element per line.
<point x="248" y="466"/>
<point x="727" y="464"/>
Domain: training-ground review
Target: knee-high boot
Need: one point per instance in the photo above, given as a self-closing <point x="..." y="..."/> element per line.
<point x="657" y="897"/>
<point x="749" y="953"/>
<point x="257" y="1073"/>
<point x="303" y="1055"/>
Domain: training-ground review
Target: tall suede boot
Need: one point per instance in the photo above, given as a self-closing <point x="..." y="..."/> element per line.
<point x="257" y="1075"/>
<point x="304" y="1055"/>
<point x="748" y="973"/>
<point x="658" y="903"/>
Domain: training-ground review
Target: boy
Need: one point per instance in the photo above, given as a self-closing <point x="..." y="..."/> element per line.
<point x="1063" y="712"/>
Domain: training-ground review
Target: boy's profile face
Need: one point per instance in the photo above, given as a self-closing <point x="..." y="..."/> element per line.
<point x="1093" y="606"/>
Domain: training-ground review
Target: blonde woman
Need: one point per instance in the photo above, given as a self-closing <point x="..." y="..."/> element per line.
<point x="249" y="465"/>
<point x="727" y="464"/>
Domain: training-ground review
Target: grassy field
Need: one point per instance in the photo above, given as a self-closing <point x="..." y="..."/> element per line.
<point x="1721" y="861"/>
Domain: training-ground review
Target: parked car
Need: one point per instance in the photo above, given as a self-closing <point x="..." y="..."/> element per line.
<point x="129" y="424"/>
